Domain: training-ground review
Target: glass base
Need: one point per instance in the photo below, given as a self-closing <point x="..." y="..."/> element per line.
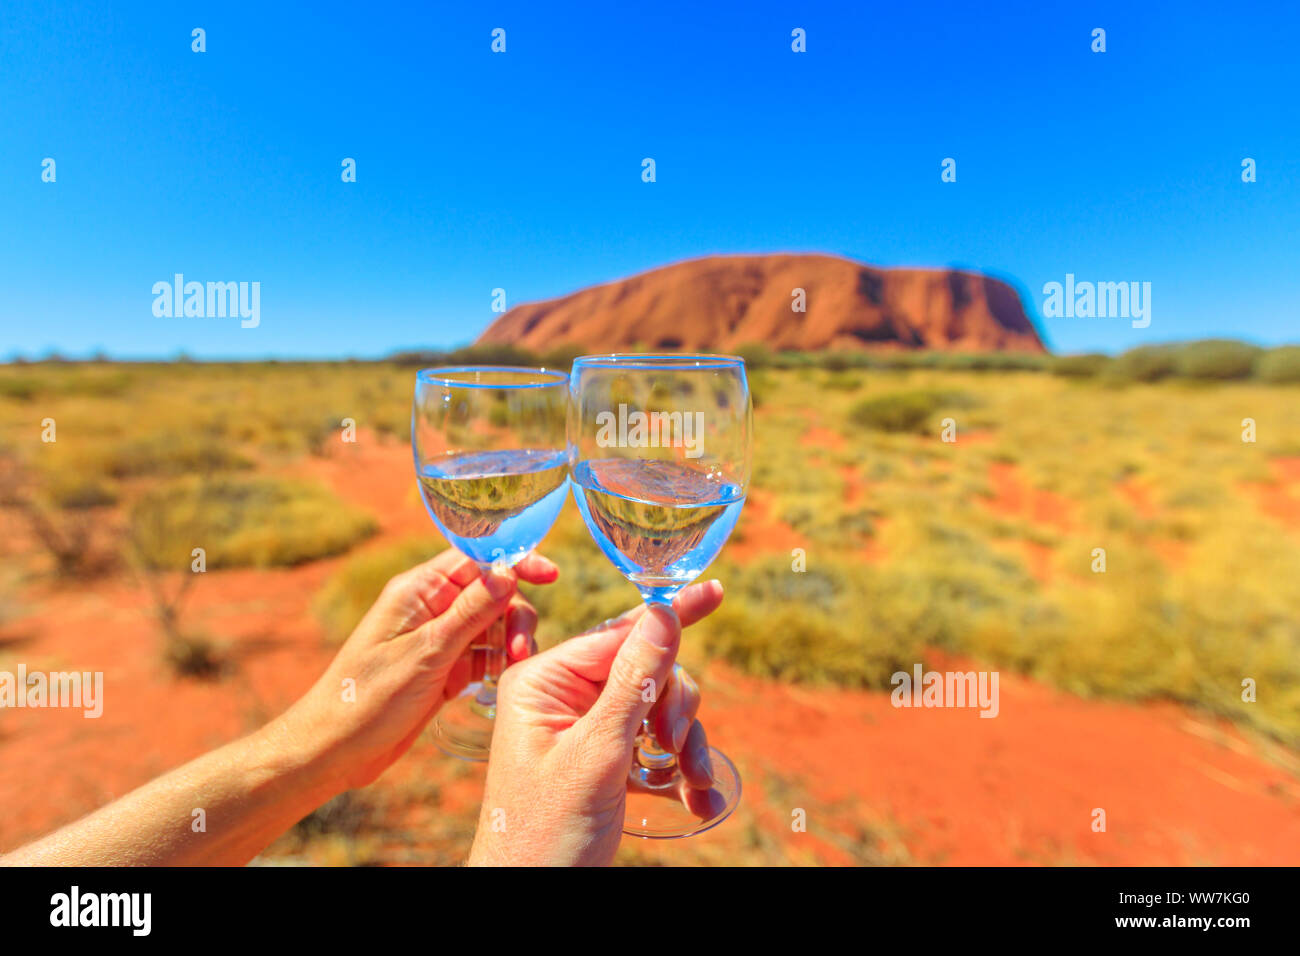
<point x="463" y="727"/>
<point x="664" y="809"/>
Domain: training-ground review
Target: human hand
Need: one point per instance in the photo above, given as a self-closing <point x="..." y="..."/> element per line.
<point x="567" y="720"/>
<point x="409" y="653"/>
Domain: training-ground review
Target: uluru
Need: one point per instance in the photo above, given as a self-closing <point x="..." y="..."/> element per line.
<point x="783" y="301"/>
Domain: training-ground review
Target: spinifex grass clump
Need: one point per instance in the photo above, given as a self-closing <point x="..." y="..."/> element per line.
<point x="244" y="522"/>
<point x="909" y="411"/>
<point x="1280" y="365"/>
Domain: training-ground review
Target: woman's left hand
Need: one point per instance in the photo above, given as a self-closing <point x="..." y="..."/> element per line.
<point x="409" y="653"/>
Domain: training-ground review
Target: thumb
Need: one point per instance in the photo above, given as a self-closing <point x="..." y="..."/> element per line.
<point x="638" y="675"/>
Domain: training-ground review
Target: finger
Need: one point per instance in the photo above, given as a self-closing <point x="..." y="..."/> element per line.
<point x="636" y="675"/>
<point x="694" y="760"/>
<point x="522" y="649"/>
<point x="704" y="804"/>
<point x="521" y="625"/>
<point x="698" y="601"/>
<point x="692" y="605"/>
<point x="459" y="569"/>
<point x="536" y="569"/>
<point x="445" y="637"/>
<point x="672" y="717"/>
<point x="421" y="593"/>
<point x="590" y="654"/>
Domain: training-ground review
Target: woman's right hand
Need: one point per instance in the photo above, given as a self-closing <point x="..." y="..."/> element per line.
<point x="566" y="724"/>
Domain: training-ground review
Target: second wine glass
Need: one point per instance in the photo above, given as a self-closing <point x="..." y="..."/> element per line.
<point x="660" y="455"/>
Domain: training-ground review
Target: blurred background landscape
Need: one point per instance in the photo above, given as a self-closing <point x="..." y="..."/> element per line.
<point x="1119" y="689"/>
<point x="941" y="456"/>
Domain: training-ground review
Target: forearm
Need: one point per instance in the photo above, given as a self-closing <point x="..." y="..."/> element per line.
<point x="249" y="792"/>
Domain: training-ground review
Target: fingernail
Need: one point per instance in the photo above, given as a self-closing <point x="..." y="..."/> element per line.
<point x="717" y="585"/>
<point x="550" y="565"/>
<point x="499" y="583"/>
<point x="659" y="627"/>
<point x="680" y="729"/>
<point x="703" y="762"/>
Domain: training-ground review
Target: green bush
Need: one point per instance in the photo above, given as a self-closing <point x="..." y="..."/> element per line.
<point x="841" y="361"/>
<point x="1080" y="366"/>
<point x="1147" y="363"/>
<point x="1279" y="366"/>
<point x="561" y="356"/>
<point x="756" y="356"/>
<point x="75" y="491"/>
<point x="844" y="381"/>
<point x="1217" y="360"/>
<point x="902" y="411"/>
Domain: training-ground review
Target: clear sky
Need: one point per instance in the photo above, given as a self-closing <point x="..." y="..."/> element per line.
<point x="522" y="170"/>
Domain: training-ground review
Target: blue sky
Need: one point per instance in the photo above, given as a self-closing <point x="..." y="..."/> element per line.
<point x="523" y="170"/>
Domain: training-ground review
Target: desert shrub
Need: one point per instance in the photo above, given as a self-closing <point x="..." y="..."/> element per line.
<point x="18" y="387"/>
<point x="991" y="361"/>
<point x="502" y="354"/>
<point x="73" y="538"/>
<point x="835" y="622"/>
<point x="353" y="588"/>
<point x="242" y="522"/>
<point x="756" y="356"/>
<point x="761" y="385"/>
<point x="1217" y="359"/>
<point x="1279" y="366"/>
<point x="792" y="359"/>
<point x="59" y="379"/>
<point x="493" y="355"/>
<point x="75" y="491"/>
<point x="1079" y="366"/>
<point x="191" y="654"/>
<point x="167" y="453"/>
<point x="844" y="381"/>
<point x="908" y="411"/>
<point x="841" y="361"/>
<point x="561" y="356"/>
<point x="1147" y="363"/>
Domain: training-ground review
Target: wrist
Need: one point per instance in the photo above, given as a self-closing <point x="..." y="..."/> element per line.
<point x="286" y="757"/>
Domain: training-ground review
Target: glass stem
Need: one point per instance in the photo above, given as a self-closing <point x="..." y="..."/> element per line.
<point x="494" y="662"/>
<point x="652" y="765"/>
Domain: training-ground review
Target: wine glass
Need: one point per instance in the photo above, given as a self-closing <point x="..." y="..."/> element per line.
<point x="493" y="469"/>
<point x="659" y="448"/>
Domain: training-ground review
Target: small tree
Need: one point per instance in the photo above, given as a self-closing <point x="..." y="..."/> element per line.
<point x="68" y="534"/>
<point x="161" y="538"/>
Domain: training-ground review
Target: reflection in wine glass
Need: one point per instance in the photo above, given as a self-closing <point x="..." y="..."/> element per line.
<point x="493" y="469"/>
<point x="660" y="454"/>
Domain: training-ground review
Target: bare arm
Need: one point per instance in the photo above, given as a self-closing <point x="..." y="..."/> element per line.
<point x="249" y="791"/>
